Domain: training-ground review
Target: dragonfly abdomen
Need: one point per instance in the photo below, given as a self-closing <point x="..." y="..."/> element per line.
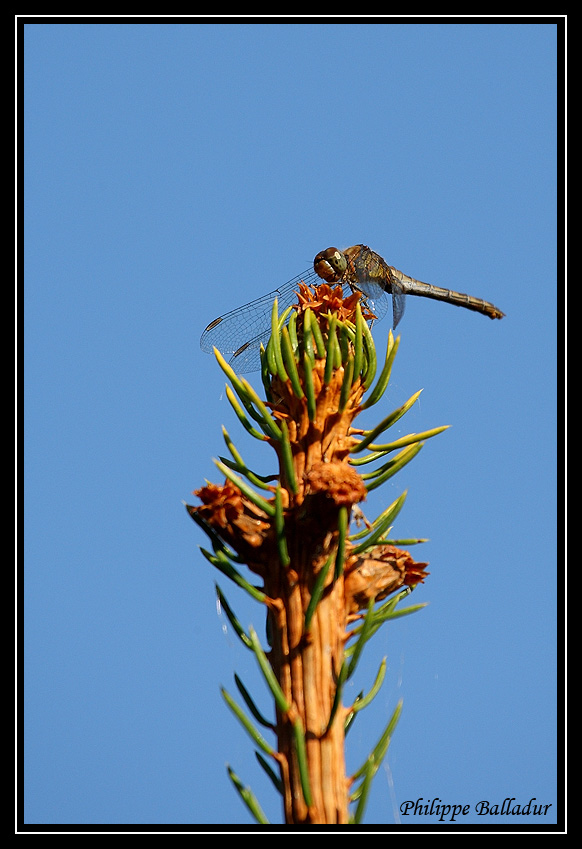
<point x="410" y="286"/>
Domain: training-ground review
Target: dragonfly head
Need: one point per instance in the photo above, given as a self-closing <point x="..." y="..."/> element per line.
<point x="330" y="265"/>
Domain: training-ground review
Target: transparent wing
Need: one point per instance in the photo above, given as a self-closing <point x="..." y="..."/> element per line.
<point x="251" y="321"/>
<point x="247" y="358"/>
<point x="398" y="303"/>
<point x="376" y="299"/>
<point x="239" y="333"/>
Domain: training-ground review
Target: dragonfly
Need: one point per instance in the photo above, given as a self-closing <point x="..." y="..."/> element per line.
<point x="240" y="332"/>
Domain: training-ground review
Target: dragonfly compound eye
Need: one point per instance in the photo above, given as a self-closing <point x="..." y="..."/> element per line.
<point x="330" y="264"/>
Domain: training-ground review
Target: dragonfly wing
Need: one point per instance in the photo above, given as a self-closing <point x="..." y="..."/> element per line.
<point x="247" y="358"/>
<point x="238" y="334"/>
<point x="398" y="304"/>
<point x="250" y="324"/>
<point x="375" y="296"/>
<point x="398" y="298"/>
<point x="378" y="304"/>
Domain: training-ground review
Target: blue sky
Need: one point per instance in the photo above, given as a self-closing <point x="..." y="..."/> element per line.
<point x="173" y="171"/>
